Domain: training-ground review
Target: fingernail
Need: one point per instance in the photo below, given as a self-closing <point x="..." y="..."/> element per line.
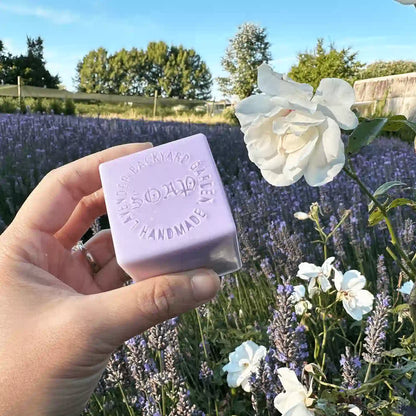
<point x="205" y="284"/>
<point x="148" y="144"/>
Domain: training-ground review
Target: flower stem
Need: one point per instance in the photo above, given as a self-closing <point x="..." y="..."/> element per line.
<point x="202" y="334"/>
<point x="324" y="342"/>
<point x="162" y="388"/>
<point x="367" y="374"/>
<point x="125" y="400"/>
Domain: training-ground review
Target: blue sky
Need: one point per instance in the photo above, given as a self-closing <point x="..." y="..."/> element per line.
<point x="377" y="29"/>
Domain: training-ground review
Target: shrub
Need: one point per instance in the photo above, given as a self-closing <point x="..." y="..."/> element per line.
<point x="69" y="107"/>
<point x="229" y="115"/>
<point x="39" y="106"/>
<point x="55" y="106"/>
<point x="8" y="105"/>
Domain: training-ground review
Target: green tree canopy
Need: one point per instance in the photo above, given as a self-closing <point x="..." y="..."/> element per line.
<point x="172" y="71"/>
<point x="246" y="51"/>
<point x="312" y="66"/>
<point x="93" y="74"/>
<point x="30" y="67"/>
<point x="385" y="68"/>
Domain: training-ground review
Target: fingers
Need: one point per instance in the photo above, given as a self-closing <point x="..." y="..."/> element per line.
<point x="53" y="201"/>
<point x="110" y="275"/>
<point x="120" y="314"/>
<point x="101" y="248"/>
<point x="88" y="209"/>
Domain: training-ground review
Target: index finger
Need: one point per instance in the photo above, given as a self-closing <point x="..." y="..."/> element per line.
<point x="52" y="202"/>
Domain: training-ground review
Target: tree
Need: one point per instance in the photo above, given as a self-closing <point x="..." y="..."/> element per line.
<point x="245" y="53"/>
<point x="172" y="71"/>
<point x="93" y="75"/>
<point x="185" y="75"/>
<point x="385" y="68"/>
<point x="31" y="67"/>
<point x="323" y="63"/>
<point x="126" y="69"/>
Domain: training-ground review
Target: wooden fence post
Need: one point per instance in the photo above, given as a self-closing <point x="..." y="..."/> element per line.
<point x="155" y="104"/>
<point x="19" y="90"/>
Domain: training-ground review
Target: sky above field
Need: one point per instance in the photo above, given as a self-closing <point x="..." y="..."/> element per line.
<point x="377" y="29"/>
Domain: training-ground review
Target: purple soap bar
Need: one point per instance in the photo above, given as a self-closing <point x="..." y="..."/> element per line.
<point x="168" y="211"/>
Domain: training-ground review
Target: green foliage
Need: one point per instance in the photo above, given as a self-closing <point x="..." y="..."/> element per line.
<point x="31" y="67"/>
<point x="69" y="107"/>
<point x="55" y="106"/>
<point x="246" y="51"/>
<point x="172" y="71"/>
<point x="385" y="68"/>
<point x="8" y="105"/>
<point x="39" y="106"/>
<point x="321" y="63"/>
<point x="229" y="115"/>
<point x="93" y="72"/>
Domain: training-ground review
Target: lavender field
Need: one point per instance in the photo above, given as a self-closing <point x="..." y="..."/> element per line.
<point x="175" y="368"/>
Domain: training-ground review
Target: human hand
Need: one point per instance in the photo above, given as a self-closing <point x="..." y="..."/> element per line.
<point x="59" y="322"/>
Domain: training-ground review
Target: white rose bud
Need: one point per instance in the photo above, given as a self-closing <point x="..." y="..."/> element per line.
<point x="301" y="215"/>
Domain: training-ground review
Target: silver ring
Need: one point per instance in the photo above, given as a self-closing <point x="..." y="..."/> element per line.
<point x="95" y="268"/>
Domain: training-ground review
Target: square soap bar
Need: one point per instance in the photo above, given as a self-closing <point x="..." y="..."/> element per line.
<point x="168" y="210"/>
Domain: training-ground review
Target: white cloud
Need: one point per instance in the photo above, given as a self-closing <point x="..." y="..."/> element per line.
<point x="60" y="17"/>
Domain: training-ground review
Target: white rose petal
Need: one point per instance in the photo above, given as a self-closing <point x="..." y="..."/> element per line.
<point x="244" y="361"/>
<point x="294" y="401"/>
<point x="406" y="288"/>
<point x="302" y="306"/>
<point x="290" y="134"/>
<point x="352" y="408"/>
<point x="335" y="98"/>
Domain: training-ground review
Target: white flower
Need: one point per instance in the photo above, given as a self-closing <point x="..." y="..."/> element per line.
<point x="312" y="273"/>
<point x="296" y="398"/>
<point x="291" y="133"/>
<point x="244" y="360"/>
<point x="407" y="2"/>
<point x="355" y="300"/>
<point x="298" y="298"/>
<point x="301" y="216"/>
<point x="406" y="288"/>
<point x="352" y="408"/>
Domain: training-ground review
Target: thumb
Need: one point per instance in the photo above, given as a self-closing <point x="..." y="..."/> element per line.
<point x="118" y="315"/>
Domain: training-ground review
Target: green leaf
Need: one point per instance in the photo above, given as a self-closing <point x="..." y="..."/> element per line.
<point x="387" y="186"/>
<point x="365" y="133"/>
<point x="395" y="352"/>
<point x="404" y="307"/>
<point x="395" y="123"/>
<point x="400" y="202"/>
<point x="375" y="217"/>
<point x="368" y="130"/>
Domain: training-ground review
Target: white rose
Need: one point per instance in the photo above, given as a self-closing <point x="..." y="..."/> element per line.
<point x="356" y="300"/>
<point x="316" y="274"/>
<point x="290" y="133"/>
<point x="244" y="360"/>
